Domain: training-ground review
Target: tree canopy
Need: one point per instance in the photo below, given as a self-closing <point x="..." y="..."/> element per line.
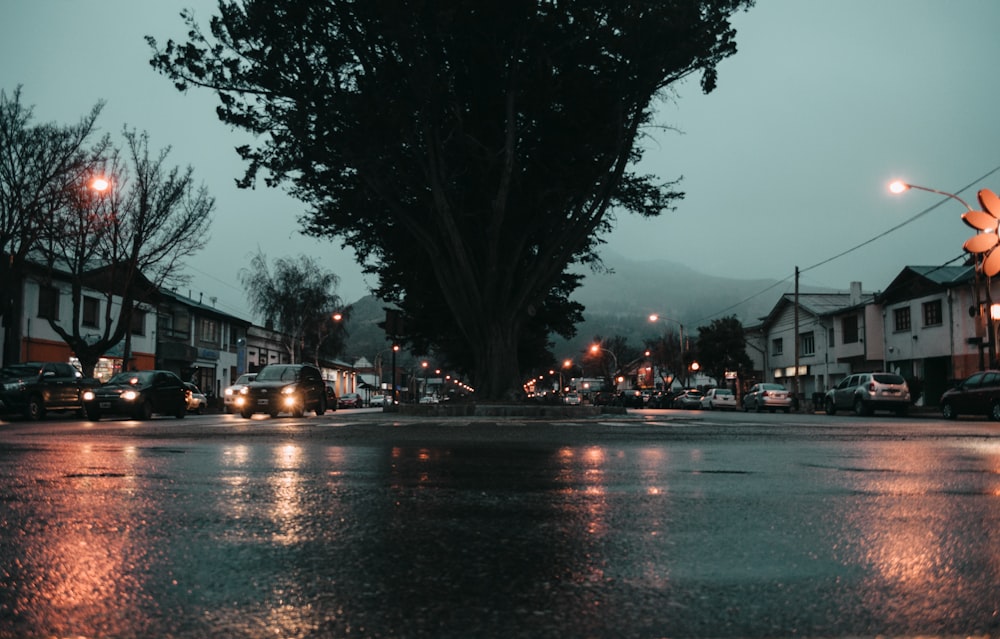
<point x="299" y="299"/>
<point x="722" y="348"/>
<point x="470" y="153"/>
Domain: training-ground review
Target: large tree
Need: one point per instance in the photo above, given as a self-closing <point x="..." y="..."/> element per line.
<point x="478" y="148"/>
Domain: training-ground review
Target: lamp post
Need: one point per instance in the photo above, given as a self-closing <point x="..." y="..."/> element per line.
<point x="425" y="366"/>
<point x="982" y="245"/>
<point x="597" y="349"/>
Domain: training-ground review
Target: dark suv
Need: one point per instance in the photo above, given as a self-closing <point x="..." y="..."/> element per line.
<point x="284" y="388"/>
<point x="865" y="393"/>
<point x="978" y="394"/>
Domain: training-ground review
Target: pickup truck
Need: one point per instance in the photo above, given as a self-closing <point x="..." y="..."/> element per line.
<point x="33" y="388"/>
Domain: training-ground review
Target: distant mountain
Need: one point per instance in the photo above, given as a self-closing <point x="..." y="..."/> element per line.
<point x="619" y="302"/>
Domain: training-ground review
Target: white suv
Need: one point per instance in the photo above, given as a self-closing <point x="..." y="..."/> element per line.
<point x="868" y="392"/>
<point x="230" y="395"/>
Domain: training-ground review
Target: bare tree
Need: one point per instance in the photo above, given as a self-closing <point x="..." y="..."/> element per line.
<point x="298" y="297"/>
<point x="39" y="165"/>
<point x="126" y="242"/>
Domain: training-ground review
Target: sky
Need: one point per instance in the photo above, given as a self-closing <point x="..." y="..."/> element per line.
<point x="786" y="164"/>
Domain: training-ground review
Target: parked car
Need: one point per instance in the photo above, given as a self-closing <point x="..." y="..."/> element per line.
<point x="32" y="389"/>
<point x="689" y="399"/>
<point x="604" y="398"/>
<point x="572" y="399"/>
<point x="767" y="396"/>
<point x="331" y="397"/>
<point x="631" y="399"/>
<point x="349" y="400"/>
<point x="138" y="394"/>
<point x="719" y="399"/>
<point x="284" y="388"/>
<point x="428" y="399"/>
<point x="379" y="400"/>
<point x="231" y="399"/>
<point x="978" y="394"/>
<point x="867" y="392"/>
<point x="196" y="399"/>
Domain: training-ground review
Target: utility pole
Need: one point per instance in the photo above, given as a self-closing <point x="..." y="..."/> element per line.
<point x="795" y="379"/>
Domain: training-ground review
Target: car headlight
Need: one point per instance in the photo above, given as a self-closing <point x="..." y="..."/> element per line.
<point x="288" y="390"/>
<point x="130" y="395"/>
<point x="88" y="395"/>
<point x="244" y="390"/>
<point x="12" y="386"/>
<point x="229" y="392"/>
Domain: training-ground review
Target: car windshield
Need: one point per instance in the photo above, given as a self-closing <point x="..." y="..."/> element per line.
<point x="778" y="387"/>
<point x="245" y="378"/>
<point x="18" y="370"/>
<point x="276" y="374"/>
<point x="723" y="391"/>
<point x="132" y="378"/>
<point x="888" y="378"/>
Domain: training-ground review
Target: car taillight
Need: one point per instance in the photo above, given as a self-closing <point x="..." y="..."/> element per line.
<point x="871" y="387"/>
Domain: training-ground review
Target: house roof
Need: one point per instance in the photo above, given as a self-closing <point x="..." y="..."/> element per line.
<point x="817" y="304"/>
<point x="919" y="281"/>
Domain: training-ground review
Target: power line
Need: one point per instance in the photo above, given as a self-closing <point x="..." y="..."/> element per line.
<point x="863" y="244"/>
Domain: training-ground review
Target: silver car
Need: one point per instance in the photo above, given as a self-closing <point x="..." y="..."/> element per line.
<point x="767" y="396"/>
<point x="865" y="393"/>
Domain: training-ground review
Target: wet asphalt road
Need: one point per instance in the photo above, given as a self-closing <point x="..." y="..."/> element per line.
<point x="364" y="524"/>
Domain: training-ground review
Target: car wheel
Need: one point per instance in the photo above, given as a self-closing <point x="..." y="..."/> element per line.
<point x="948" y="411"/>
<point x="831" y="408"/>
<point x="321" y="406"/>
<point x="299" y="410"/>
<point x="144" y="411"/>
<point x="245" y="414"/>
<point x="273" y="414"/>
<point x="182" y="410"/>
<point x="93" y="414"/>
<point x="995" y="412"/>
<point x="859" y="408"/>
<point x="35" y="409"/>
<point x="759" y="407"/>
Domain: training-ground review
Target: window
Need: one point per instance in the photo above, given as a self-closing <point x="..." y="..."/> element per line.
<point x="91" y="312"/>
<point x="48" y="303"/>
<point x="849" y="328"/>
<point x="777" y="346"/>
<point x="901" y="317"/>
<point x="138" y="321"/>
<point x="829" y="337"/>
<point x="807" y="343"/>
<point x="208" y="330"/>
<point x="932" y="313"/>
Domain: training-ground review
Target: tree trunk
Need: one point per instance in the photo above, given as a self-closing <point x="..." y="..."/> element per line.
<point x="497" y="371"/>
<point x="12" y="285"/>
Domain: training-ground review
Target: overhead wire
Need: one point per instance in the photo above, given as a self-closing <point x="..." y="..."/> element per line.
<point x="854" y="248"/>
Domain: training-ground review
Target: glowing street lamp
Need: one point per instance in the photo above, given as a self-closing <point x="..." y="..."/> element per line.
<point x="983" y="244"/>
<point x="597" y="349"/>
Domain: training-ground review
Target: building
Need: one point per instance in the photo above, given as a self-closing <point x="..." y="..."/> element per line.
<point x="199" y="342"/>
<point x="932" y="325"/>
<point x="48" y="299"/>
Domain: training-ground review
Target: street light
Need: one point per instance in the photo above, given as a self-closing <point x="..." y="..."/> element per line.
<point x="982" y="245"/>
<point x="597" y="349"/>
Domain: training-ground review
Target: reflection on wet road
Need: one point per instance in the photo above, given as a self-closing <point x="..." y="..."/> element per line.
<point x="680" y="538"/>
